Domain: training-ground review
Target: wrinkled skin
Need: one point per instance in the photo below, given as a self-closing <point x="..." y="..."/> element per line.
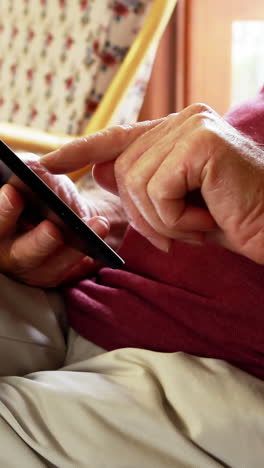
<point x="155" y="166"/>
<point x="38" y="256"/>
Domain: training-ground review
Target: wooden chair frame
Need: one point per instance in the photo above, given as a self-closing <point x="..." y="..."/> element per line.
<point x="30" y="139"/>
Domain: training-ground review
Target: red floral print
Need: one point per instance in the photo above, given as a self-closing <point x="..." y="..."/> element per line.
<point x="69" y="82"/>
<point x="52" y="119"/>
<point x="32" y="59"/>
<point x="13" y="68"/>
<point x="91" y="106"/>
<point x="96" y="45"/>
<point x="31" y="35"/>
<point x="49" y="38"/>
<point x="14" y="32"/>
<point x="69" y="42"/>
<point x="30" y="73"/>
<point x="16" y="107"/>
<point x="108" y="59"/>
<point x="120" y="9"/>
<point x="83" y="4"/>
<point x="48" y="78"/>
<point x="33" y="113"/>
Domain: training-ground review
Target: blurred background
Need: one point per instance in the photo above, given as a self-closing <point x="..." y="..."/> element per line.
<point x="73" y="67"/>
<point x="212" y="51"/>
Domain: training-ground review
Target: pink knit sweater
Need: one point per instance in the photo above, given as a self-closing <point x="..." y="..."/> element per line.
<point x="203" y="300"/>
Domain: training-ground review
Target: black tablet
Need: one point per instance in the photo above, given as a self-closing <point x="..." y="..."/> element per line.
<point x="44" y="203"/>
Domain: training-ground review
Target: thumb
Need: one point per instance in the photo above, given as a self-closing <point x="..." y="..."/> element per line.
<point x="100" y="147"/>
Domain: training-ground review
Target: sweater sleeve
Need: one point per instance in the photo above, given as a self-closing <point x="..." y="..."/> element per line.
<point x="248" y="117"/>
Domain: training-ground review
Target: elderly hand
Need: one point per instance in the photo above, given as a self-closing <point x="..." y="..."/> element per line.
<point x="157" y="168"/>
<point x="38" y="256"/>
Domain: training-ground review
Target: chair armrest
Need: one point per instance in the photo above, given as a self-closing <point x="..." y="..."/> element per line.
<point x="30" y="139"/>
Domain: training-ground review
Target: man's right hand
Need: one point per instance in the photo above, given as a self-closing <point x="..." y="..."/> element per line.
<point x="159" y="167"/>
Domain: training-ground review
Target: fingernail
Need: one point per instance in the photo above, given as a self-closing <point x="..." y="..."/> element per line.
<point x="192" y="241"/>
<point x="48" y="238"/>
<point x="161" y="244"/>
<point x="5" y="202"/>
<point x="98" y="223"/>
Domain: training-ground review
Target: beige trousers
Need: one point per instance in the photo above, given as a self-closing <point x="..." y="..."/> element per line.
<point x="128" y="408"/>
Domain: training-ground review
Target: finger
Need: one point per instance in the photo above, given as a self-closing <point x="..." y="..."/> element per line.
<point x="138" y="164"/>
<point x="139" y="223"/>
<point x="106" y="145"/>
<point x="32" y="248"/>
<point x="51" y="272"/>
<point x="99" y="224"/>
<point x="11" y="206"/>
<point x="180" y="173"/>
<point x="104" y="172"/>
<point x="62" y="186"/>
<point x="137" y="179"/>
<point x="167" y="190"/>
<point x="68" y="264"/>
<point x="87" y="266"/>
<point x="104" y="175"/>
<point x="99" y="147"/>
<point x="169" y="128"/>
<point x="144" y="228"/>
<point x="108" y="175"/>
<point x="118" y="177"/>
<point x="41" y="242"/>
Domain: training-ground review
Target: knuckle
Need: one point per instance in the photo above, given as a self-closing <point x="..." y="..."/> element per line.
<point x="171" y="117"/>
<point x="200" y="108"/>
<point x="117" y="133"/>
<point x="203" y="120"/>
<point x="75" y="145"/>
<point x="199" y="120"/>
<point x="210" y="137"/>
<point x="205" y="130"/>
<point x="114" y="132"/>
